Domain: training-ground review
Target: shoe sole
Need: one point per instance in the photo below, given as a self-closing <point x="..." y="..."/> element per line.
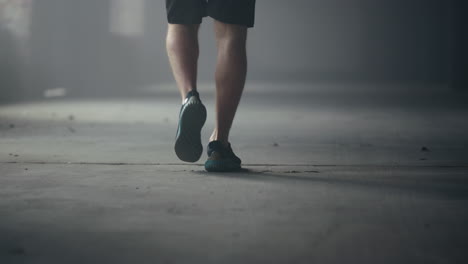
<point x="188" y="146"/>
<point x="221" y="166"/>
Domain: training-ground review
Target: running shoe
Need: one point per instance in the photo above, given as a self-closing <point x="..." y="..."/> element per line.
<point x="188" y="146"/>
<point x="221" y="158"/>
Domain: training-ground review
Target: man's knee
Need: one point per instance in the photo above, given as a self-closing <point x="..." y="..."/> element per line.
<point x="191" y="29"/>
<point x="226" y="31"/>
<point x="178" y="32"/>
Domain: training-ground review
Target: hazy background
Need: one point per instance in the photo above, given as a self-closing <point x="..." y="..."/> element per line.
<point x="116" y="47"/>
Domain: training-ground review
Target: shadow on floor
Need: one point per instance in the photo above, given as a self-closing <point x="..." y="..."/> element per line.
<point x="447" y="183"/>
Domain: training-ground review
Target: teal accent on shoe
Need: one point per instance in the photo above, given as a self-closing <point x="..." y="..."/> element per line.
<point x="188" y="146"/>
<point x="221" y="158"/>
<point x="225" y="165"/>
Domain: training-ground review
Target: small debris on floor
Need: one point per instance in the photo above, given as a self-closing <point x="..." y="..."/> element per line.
<point x="71" y="129"/>
<point x="422" y="159"/>
<point x="275" y="144"/>
<point x="425" y="149"/>
<point x="292" y="171"/>
<point x="12" y="125"/>
<point x="26" y="169"/>
<point x="295" y="171"/>
<point x="16" y="155"/>
<point x="71" y="117"/>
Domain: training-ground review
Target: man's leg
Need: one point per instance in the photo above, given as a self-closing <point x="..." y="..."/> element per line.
<point x="182" y="49"/>
<point x="231" y="70"/>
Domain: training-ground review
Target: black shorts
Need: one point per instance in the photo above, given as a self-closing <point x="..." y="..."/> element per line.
<point x="239" y="12"/>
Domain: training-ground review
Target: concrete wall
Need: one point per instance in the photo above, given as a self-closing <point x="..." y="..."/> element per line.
<point x="77" y="44"/>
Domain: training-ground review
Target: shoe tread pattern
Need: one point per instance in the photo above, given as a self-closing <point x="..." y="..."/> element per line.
<point x="188" y="146"/>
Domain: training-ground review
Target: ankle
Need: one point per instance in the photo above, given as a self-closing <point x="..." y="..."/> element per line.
<point x="224" y="142"/>
<point x="184" y="92"/>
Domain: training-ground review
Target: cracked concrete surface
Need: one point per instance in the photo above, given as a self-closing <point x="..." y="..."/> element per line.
<point x="327" y="179"/>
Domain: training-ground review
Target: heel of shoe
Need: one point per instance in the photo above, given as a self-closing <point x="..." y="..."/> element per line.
<point x="221" y="166"/>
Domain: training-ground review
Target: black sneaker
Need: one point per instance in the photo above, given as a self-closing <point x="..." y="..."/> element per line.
<point x="221" y="158"/>
<point x="188" y="146"/>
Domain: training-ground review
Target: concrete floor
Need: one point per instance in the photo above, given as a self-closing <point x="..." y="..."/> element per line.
<point x="330" y="177"/>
